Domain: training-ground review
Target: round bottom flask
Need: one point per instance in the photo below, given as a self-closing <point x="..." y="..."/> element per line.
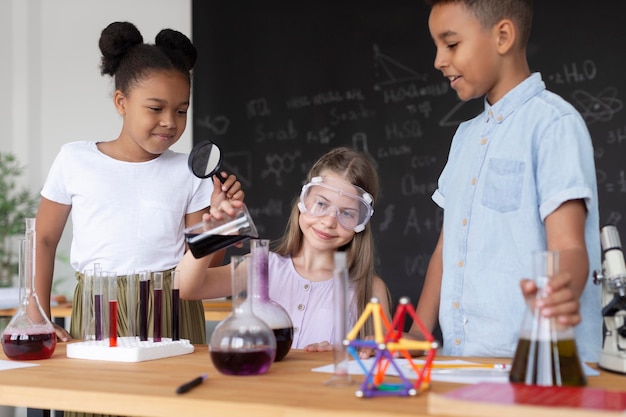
<point x="30" y="334"/>
<point x="242" y="344"/>
<point x="272" y="313"/>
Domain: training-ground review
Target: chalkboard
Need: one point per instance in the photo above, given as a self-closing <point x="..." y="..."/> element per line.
<point x="277" y="84"/>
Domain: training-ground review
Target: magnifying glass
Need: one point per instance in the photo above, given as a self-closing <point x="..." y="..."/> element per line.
<point x="205" y="160"/>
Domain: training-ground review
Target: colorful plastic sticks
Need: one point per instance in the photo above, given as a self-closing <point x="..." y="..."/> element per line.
<point x="387" y="343"/>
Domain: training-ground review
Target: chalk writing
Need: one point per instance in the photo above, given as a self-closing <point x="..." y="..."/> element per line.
<point x="271" y="208"/>
<point x="409" y="129"/>
<point x="288" y="132"/>
<point x="326" y="97"/>
<point x="277" y="165"/>
<point x="417" y="265"/>
<point x="387" y="218"/>
<point x="600" y="107"/>
<point x="257" y="108"/>
<point x="575" y="73"/>
<point x="393" y="71"/>
<point x="616" y="136"/>
<point x="218" y="124"/>
<point x="411" y="186"/>
<point x="350" y="115"/>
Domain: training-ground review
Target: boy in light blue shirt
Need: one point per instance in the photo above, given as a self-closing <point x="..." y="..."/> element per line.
<point x="520" y="177"/>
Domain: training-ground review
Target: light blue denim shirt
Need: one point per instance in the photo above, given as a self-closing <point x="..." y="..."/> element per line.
<point x="507" y="170"/>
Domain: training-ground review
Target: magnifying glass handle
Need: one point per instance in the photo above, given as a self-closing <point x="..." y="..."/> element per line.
<point x="219" y="176"/>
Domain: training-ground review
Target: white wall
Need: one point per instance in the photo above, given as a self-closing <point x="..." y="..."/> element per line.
<point x="51" y="90"/>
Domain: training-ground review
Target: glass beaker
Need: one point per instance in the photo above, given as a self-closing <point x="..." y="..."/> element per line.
<point x="30" y="334"/>
<point x="205" y="238"/>
<point x="272" y="313"/>
<point x="546" y="352"/>
<point x="242" y="344"/>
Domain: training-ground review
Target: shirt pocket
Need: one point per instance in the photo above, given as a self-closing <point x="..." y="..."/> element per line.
<point x="503" y="185"/>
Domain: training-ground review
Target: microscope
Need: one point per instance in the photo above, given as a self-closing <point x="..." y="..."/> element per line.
<point x="613" y="280"/>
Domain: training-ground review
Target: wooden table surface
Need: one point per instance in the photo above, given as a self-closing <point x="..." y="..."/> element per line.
<point x="148" y="388"/>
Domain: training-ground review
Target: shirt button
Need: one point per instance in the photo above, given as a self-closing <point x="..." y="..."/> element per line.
<point x="457" y="341"/>
<point x="459" y="264"/>
<point x="455" y="305"/>
<point x="296" y="329"/>
<point x="300" y="307"/>
<point x="499" y="118"/>
<point x="306" y="287"/>
<point x="464" y="221"/>
<point x="473" y="181"/>
<point x="483" y="141"/>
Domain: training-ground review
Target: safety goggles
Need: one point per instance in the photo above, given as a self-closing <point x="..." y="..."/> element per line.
<point x="351" y="205"/>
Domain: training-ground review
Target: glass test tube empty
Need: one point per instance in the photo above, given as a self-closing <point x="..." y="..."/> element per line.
<point x="144" y="294"/>
<point x="157" y="293"/>
<point x="131" y="303"/>
<point x="112" y="278"/>
<point x="87" y="323"/>
<point x="175" y="305"/>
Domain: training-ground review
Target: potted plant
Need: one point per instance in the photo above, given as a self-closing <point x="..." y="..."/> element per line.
<point x="16" y="203"/>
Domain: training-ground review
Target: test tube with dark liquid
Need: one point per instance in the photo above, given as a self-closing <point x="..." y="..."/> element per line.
<point x="175" y="305"/>
<point x="144" y="294"/>
<point x="112" y="309"/>
<point x="97" y="302"/>
<point x="157" y="292"/>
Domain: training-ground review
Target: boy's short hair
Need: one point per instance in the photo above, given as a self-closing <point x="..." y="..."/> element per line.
<point x="490" y="12"/>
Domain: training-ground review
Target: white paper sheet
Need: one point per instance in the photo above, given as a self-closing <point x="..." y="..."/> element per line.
<point x="6" y="365"/>
<point x="458" y="375"/>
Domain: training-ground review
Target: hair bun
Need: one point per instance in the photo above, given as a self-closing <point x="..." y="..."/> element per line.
<point x="115" y="40"/>
<point x="178" y="47"/>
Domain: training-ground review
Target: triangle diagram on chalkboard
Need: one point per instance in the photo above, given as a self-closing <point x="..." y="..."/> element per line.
<point x="462" y="111"/>
<point x="393" y="71"/>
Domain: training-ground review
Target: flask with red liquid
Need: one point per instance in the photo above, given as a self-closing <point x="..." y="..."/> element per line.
<point x="242" y="344"/>
<point x="30" y="334"/>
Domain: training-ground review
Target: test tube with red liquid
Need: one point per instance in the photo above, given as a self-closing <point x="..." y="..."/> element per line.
<point x="112" y="309"/>
<point x="157" y="293"/>
<point x="144" y="294"/>
<point x="175" y="305"/>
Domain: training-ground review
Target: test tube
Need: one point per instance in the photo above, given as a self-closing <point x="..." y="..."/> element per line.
<point x="341" y="376"/>
<point x="87" y="324"/>
<point x="144" y="293"/>
<point x="157" y="294"/>
<point x="112" y="278"/>
<point x="175" y="305"/>
<point x="131" y="303"/>
<point x="97" y="302"/>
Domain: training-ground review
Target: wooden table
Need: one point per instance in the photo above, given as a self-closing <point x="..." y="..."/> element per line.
<point x="214" y="310"/>
<point x="148" y="388"/>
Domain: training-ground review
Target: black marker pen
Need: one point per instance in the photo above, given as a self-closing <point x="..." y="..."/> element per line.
<point x="191" y="384"/>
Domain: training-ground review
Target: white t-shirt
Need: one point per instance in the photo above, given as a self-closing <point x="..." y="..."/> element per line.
<point x="127" y="216"/>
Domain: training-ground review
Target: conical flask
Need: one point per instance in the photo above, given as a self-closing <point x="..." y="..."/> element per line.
<point x="272" y="313"/>
<point x="242" y="344"/>
<point x="546" y="351"/>
<point x="30" y="334"/>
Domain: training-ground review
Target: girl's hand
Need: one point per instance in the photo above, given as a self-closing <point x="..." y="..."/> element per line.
<point x="319" y="347"/>
<point x="229" y="190"/>
<point x="61" y="333"/>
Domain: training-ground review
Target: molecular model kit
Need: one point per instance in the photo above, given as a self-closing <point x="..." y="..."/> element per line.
<point x="388" y="343"/>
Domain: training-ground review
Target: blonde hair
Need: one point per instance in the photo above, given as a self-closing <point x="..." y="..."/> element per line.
<point x="357" y="168"/>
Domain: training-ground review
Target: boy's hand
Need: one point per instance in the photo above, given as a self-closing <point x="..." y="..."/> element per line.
<point x="559" y="301"/>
